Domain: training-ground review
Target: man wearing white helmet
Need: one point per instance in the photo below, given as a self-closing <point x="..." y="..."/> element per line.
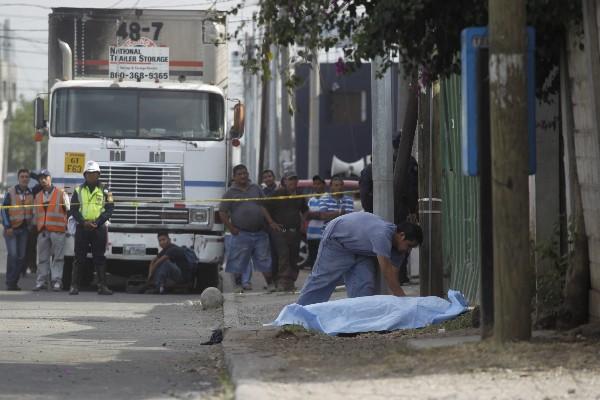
<point x="91" y="206"/>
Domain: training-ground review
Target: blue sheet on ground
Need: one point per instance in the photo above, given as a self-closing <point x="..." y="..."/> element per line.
<point x="373" y="313"/>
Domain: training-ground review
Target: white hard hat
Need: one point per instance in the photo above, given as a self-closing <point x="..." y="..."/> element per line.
<point x="91" y="166"/>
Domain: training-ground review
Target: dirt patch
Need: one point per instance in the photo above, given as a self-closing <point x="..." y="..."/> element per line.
<point x="315" y="355"/>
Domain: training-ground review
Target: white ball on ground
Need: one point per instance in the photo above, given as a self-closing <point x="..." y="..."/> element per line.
<point x="211" y="298"/>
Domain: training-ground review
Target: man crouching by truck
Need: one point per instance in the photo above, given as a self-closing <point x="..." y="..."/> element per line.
<point x="169" y="268"/>
<point x="348" y="249"/>
<point x="91" y="206"/>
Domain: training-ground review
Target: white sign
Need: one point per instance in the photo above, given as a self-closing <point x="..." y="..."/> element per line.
<point x="138" y="63"/>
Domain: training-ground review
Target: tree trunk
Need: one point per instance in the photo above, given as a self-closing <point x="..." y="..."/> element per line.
<point x="513" y="274"/>
<point x="577" y="283"/>
<point x="409" y="126"/>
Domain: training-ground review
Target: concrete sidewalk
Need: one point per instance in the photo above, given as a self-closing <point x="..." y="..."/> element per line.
<point x="279" y="363"/>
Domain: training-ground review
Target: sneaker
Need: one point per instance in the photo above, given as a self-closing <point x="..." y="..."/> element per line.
<point x="38" y="287"/>
<point x="74" y="290"/>
<point x="247" y="286"/>
<point x="57" y="286"/>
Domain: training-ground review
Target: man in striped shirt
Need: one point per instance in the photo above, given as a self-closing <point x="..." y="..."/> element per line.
<point x="335" y="203"/>
<point x="315" y="223"/>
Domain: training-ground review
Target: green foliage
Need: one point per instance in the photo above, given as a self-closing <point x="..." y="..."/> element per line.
<point x="425" y="33"/>
<point x="21" y="145"/>
<point x="551" y="279"/>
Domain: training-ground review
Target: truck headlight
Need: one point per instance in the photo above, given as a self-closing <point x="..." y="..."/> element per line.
<point x="200" y="216"/>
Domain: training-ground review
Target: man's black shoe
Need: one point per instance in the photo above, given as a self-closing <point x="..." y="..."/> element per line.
<point x="13" y="288"/>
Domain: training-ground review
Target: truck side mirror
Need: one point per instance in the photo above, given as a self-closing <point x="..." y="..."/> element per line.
<point x="39" y="121"/>
<point x="239" y="117"/>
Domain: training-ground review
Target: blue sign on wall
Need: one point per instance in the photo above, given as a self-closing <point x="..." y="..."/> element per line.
<point x="472" y="40"/>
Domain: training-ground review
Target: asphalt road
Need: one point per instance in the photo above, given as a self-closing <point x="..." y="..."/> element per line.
<point x="125" y="346"/>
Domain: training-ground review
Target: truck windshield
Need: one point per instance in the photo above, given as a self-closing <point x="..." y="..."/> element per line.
<point x="137" y="114"/>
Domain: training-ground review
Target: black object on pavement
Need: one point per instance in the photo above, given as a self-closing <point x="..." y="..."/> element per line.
<point x="215" y="338"/>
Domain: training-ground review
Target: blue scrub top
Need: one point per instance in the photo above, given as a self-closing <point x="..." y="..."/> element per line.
<point x="366" y="234"/>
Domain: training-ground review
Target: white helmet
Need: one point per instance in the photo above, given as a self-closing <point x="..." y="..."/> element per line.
<point x="91" y="166"/>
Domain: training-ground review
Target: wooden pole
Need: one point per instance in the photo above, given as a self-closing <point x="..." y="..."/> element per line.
<point x="510" y="191"/>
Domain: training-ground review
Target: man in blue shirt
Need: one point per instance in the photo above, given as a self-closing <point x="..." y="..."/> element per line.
<point x="17" y="213"/>
<point x="348" y="249"/>
<point x="336" y="203"/>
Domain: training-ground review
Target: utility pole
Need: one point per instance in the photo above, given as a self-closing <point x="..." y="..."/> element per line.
<point x="510" y="191"/>
<point x="273" y="132"/>
<point x="382" y="153"/>
<point x="286" y="139"/>
<point x="313" y="115"/>
<point x="431" y="277"/>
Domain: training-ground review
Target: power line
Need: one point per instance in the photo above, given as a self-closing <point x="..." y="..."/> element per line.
<point x="22" y="16"/>
<point x="24" y="5"/>
<point x="26" y="30"/>
<point x="39" y="41"/>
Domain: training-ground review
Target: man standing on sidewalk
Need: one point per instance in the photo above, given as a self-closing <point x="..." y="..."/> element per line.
<point x="91" y="206"/>
<point x="16" y="219"/>
<point x="50" y="213"/>
<point x="288" y="214"/>
<point x="348" y="249"/>
<point x="245" y="219"/>
<point x="315" y="223"/>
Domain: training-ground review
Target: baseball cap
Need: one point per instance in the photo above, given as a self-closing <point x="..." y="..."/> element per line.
<point x="44" y="172"/>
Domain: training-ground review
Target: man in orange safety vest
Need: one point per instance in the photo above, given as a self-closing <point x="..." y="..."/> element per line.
<point x="51" y="206"/>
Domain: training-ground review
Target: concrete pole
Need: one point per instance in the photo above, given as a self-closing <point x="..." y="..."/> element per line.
<point x="272" y="111"/>
<point x="286" y="142"/>
<point x="314" y="117"/>
<point x="383" y="177"/>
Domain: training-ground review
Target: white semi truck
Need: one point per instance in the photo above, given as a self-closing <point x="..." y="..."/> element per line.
<point x="143" y="93"/>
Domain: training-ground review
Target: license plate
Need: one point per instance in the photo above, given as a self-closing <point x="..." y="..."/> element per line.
<point x="74" y="163"/>
<point x="134" y="250"/>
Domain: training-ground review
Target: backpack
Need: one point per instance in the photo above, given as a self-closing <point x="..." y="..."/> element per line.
<point x="191" y="257"/>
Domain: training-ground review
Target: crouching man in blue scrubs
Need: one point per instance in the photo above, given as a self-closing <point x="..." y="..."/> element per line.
<point x="348" y="249"/>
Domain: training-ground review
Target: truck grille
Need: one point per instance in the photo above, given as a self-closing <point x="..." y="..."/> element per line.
<point x="143" y="181"/>
<point x="149" y="215"/>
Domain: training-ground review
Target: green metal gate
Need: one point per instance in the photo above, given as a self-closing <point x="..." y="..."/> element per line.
<point x="460" y="194"/>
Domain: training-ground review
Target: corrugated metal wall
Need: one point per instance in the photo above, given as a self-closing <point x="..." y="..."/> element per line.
<point x="460" y="194"/>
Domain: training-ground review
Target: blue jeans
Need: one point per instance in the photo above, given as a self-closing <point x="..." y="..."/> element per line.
<point x="167" y="272"/>
<point x="246" y="246"/>
<point x="15" y="249"/>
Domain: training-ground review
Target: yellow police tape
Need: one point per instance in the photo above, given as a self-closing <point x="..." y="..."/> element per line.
<point x="200" y="201"/>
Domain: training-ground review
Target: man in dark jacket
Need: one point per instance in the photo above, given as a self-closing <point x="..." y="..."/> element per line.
<point x="288" y="214"/>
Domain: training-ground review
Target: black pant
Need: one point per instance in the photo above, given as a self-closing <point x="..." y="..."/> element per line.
<point x="84" y="239"/>
<point x="288" y="245"/>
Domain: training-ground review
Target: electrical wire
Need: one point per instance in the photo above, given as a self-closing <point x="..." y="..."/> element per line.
<point x="24" y="5"/>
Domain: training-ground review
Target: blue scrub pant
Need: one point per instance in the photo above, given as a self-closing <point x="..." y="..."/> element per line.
<point x="334" y="262"/>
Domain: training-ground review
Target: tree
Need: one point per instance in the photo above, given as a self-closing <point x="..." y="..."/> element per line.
<point x="425" y="33"/>
<point x="21" y="143"/>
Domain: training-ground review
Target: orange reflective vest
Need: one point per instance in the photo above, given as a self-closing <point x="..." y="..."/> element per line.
<point x="22" y="210"/>
<point x="50" y="216"/>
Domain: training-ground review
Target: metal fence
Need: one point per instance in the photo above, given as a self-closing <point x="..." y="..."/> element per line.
<point x="460" y="194"/>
